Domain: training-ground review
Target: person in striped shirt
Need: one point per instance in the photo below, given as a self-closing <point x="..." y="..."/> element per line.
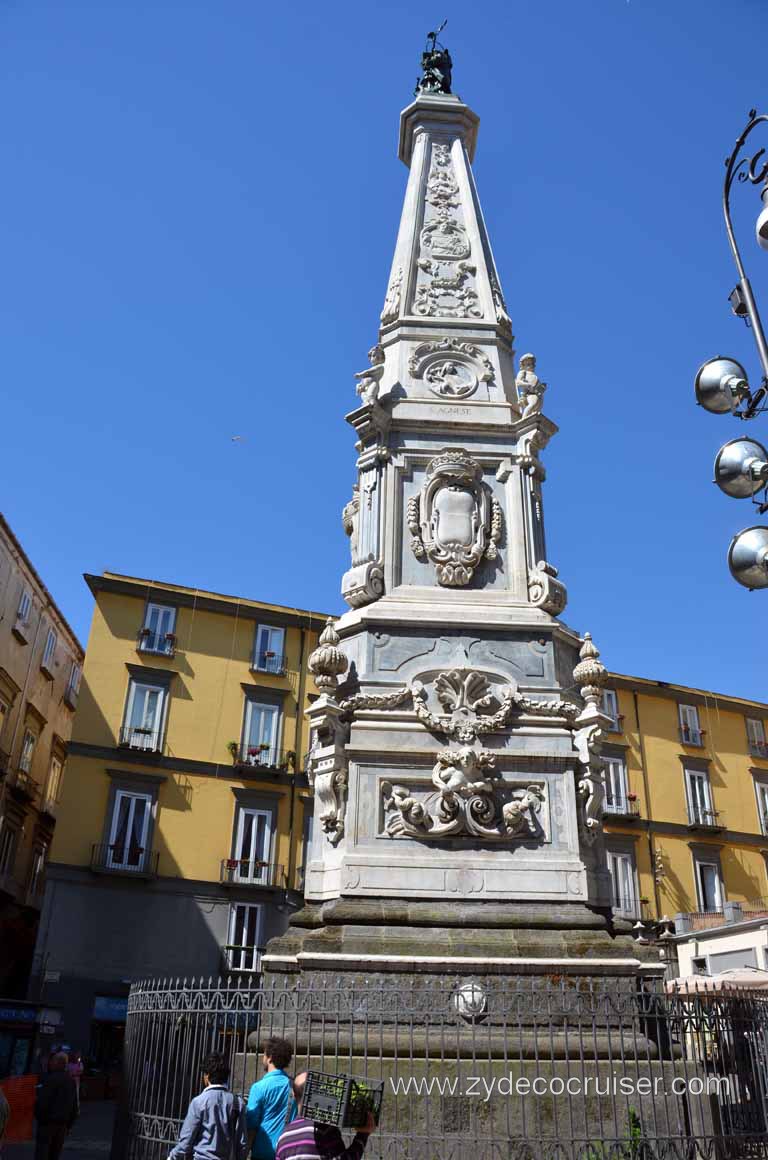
<point x="303" y="1139"/>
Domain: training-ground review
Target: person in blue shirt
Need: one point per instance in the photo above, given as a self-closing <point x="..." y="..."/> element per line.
<point x="214" y="1127"/>
<point x="268" y="1102"/>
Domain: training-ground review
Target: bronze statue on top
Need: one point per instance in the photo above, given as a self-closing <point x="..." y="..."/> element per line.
<point x="436" y="66"/>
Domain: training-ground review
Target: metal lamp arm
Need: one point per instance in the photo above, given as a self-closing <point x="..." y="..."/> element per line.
<point x="734" y="169"/>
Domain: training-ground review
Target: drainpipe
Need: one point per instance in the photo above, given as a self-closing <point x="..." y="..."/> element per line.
<point x="297" y="733"/>
<point x="647" y="790"/>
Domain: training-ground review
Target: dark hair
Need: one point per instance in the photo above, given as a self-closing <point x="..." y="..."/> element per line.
<point x="215" y="1066"/>
<point x="278" y="1050"/>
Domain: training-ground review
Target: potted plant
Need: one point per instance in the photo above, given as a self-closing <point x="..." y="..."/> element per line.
<point x="234" y="749"/>
<point x="631" y="797"/>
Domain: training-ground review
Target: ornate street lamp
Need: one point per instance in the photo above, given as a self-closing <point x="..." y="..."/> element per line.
<point x="722" y="387"/>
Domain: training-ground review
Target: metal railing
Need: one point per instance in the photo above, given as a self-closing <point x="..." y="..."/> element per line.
<point x="117" y="858"/>
<point x="269" y="662"/>
<point x="266" y="757"/>
<point x="242" y="959"/>
<point x="70" y="696"/>
<point x="689" y="736"/>
<point x="693" y="1064"/>
<point x="158" y="643"/>
<point x="625" y="807"/>
<point x="758" y="748"/>
<point x="24" y="783"/>
<point x="251" y="872"/>
<point x="630" y="907"/>
<point x="705" y="819"/>
<point x="134" y="737"/>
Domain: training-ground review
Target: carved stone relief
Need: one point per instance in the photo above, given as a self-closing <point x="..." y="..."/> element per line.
<point x="470" y="799"/>
<point x="392" y="301"/>
<point x="369" y="380"/>
<point x="454" y="521"/>
<point x="545" y="590"/>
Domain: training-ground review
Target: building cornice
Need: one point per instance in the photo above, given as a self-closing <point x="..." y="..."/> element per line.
<point x="684" y="694"/>
<point x="234" y="606"/>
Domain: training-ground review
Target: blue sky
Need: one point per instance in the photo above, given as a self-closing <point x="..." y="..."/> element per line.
<point x="199" y="207"/>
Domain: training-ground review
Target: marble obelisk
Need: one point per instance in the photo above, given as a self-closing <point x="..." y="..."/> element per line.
<point x="455" y="753"/>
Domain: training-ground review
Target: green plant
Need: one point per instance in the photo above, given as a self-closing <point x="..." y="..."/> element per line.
<point x="234" y="749"/>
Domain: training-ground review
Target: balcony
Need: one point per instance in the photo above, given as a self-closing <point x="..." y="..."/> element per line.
<point x="35" y="893"/>
<point x="692" y="737"/>
<point x="758" y="749"/>
<point x="254" y="757"/>
<point x="622" y="808"/>
<point x="246" y="872"/>
<point x="237" y="959"/>
<point x="148" y="740"/>
<point x="5" y="762"/>
<point x="23" y="784"/>
<point x="701" y="819"/>
<point x="21" y="630"/>
<point x="70" y="696"/>
<point x="158" y="644"/>
<point x="269" y="662"/>
<point x="635" y="908"/>
<point x="49" y="806"/>
<point x="133" y="862"/>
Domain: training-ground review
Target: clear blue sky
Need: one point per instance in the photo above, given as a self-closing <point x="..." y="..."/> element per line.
<point x="199" y="206"/>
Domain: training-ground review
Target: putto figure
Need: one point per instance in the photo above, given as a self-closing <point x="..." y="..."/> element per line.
<point x="530" y="389"/>
<point x="436" y="65"/>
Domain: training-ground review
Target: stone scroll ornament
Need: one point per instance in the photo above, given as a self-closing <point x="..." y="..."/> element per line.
<point x="327" y="765"/>
<point x="589" y="727"/>
<point x="468" y="801"/>
<point x="454" y="521"/>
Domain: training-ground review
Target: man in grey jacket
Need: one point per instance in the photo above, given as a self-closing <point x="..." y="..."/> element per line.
<point x="214" y="1127"/>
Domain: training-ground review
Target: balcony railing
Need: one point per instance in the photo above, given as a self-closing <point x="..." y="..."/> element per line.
<point x="251" y="872"/>
<point x="630" y="907"/>
<point x="266" y="757"/>
<point x="705" y="819"/>
<point x="136" y="738"/>
<point x="690" y="736"/>
<point x="5" y="762"/>
<point x="621" y="807"/>
<point x="117" y="858"/>
<point x="21" y="630"/>
<point x="161" y="644"/>
<point x="237" y="958"/>
<point x="49" y="806"/>
<point x="758" y="748"/>
<point x="24" y="784"/>
<point x="70" y="696"/>
<point x="269" y="662"/>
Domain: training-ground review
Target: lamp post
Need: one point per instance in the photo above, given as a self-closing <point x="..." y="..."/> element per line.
<point x="722" y="386"/>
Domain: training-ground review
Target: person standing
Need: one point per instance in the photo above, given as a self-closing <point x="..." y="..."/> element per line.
<point x="214" y="1126"/>
<point x="269" y="1099"/>
<point x="55" y="1108"/>
<point x="303" y="1139"/>
<point x="75" y="1069"/>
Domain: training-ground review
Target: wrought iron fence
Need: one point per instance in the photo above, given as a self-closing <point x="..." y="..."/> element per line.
<point x="529" y="1068"/>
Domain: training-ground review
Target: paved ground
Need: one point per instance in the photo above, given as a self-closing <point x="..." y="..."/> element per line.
<point x="90" y="1139"/>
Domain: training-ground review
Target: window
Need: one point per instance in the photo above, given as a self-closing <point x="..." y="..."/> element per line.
<point x="73" y="684"/>
<point x="8" y="840"/>
<point x="622" y="871"/>
<point x="261" y="734"/>
<point x="708" y="887"/>
<point x="609" y="704"/>
<point x="128" y="831"/>
<point x="269" y="649"/>
<point x="253" y="845"/>
<point x="761" y="788"/>
<point x="27" y="751"/>
<point x="699" y="795"/>
<point x="242" y="952"/>
<point x="144" y="716"/>
<point x="4" y="707"/>
<point x="756" y="737"/>
<point x="49" y="651"/>
<point x="690" y="730"/>
<point x="616" y="801"/>
<point x="25" y="606"/>
<point x="53" y="787"/>
<point x="157" y="634"/>
<point x="38" y="869"/>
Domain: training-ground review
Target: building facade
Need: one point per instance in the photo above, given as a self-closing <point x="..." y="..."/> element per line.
<point x="40" y="665"/>
<point x="179" y="849"/>
<point x="686" y="805"/>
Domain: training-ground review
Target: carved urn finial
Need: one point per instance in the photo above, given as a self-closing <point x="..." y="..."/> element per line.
<point x="590" y="673"/>
<point x="328" y="662"/>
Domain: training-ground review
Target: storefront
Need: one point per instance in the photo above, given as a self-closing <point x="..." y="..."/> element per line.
<point x="25" y="1030"/>
<point x="108" y="1031"/>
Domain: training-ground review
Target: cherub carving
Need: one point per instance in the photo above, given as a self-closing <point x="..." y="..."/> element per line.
<point x="530" y="389"/>
<point x="455" y="770"/>
<point x="369" y="380"/>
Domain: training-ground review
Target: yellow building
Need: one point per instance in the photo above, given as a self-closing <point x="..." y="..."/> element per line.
<point x="686" y="806"/>
<point x="181" y="834"/>
<point x="40" y="665"/>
